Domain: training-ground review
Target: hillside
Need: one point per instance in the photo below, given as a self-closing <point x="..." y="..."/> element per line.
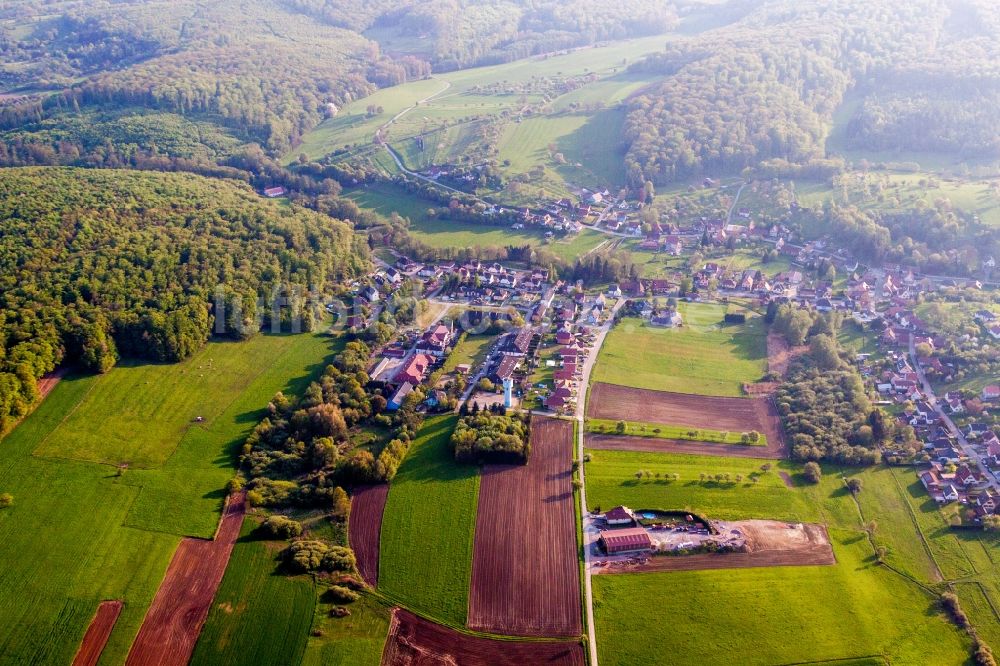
<point x="99" y="264"/>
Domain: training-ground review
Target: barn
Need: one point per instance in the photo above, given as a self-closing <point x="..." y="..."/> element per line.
<point x="631" y="540"/>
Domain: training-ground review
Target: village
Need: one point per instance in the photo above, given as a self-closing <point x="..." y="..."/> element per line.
<point x="543" y="330"/>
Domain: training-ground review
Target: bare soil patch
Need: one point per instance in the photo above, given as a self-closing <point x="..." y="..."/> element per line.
<point x="769" y="543"/>
<point x="97" y="633"/>
<point x="780" y="353"/>
<point x="525" y="577"/>
<point x="174" y="620"/>
<point x="787" y="479"/>
<point x="414" y="641"/>
<point x="610" y="401"/>
<point x="365" y="526"/>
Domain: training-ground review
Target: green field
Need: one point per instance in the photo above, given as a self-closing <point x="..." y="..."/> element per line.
<point x="661" y="431"/>
<point x="258" y="616"/>
<point x="354" y="127"/>
<point x="428" y="526"/>
<point x="464" y="104"/>
<point x="356" y="640"/>
<point x="705" y="356"/>
<point x="387" y="199"/>
<point x="78" y="533"/>
<point x="855" y="609"/>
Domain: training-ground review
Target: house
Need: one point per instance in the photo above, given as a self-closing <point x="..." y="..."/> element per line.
<point x="668" y="319"/>
<point x="370" y="294"/>
<point x="620" y="515"/>
<point x="558" y="398"/>
<point x="413" y="371"/>
<point x="274" y="192"/>
<point x="614" y="291"/>
<point x="518" y="343"/>
<point x="393" y="276"/>
<point x="966" y="476"/>
<point x="435" y="341"/>
<point x="396" y="401"/>
<point x="564" y="338"/>
<point x="631" y="540"/>
<point x="505" y="369"/>
<point x="991" y="393"/>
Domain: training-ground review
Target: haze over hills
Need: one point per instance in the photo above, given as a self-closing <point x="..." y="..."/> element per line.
<point x="499" y="332"/>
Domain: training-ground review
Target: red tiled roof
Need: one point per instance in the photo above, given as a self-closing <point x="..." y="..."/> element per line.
<point x="632" y="538"/>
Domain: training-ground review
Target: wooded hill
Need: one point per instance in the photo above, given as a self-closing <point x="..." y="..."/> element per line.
<point x="767" y="85"/>
<point x="97" y="264"/>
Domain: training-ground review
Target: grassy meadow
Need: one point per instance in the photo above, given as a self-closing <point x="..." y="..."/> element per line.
<point x="428" y="527"/>
<point x="356" y="640"/>
<point x="705" y="356"/>
<point x="855" y="609"/>
<point x="79" y="533"/>
<point x="259" y="616"/>
<point x="387" y="199"/>
<point x="660" y="431"/>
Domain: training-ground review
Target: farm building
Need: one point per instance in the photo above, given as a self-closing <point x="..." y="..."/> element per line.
<point x="620" y="515"/>
<point x="631" y="540"/>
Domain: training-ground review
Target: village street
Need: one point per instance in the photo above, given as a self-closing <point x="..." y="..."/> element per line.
<point x="590" y="531"/>
<point x="967" y="448"/>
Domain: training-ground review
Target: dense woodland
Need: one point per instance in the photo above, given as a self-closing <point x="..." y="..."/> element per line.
<point x="487" y="437"/>
<point x="822" y="402"/>
<point x="450" y="34"/>
<point x="98" y="264"/>
<point x="768" y="86"/>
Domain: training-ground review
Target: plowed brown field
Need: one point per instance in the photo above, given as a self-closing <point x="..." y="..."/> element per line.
<point x="97" y="633"/>
<point x="173" y="622"/>
<point x="414" y="641"/>
<point x="365" y="526"/>
<point x="609" y="401"/>
<point x="525" y="576"/>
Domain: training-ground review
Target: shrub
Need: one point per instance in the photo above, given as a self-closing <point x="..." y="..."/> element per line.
<point x="342" y="595"/>
<point x="812" y="472"/>
<point x="6" y="499"/>
<point x="281" y="527"/>
<point x="308" y="555"/>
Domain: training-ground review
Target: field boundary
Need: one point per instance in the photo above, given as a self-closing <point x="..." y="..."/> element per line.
<point x="916" y="526"/>
<point x="648" y="429"/>
<point x="414" y="640"/>
<point x="173" y="622"/>
<point x="691" y="447"/>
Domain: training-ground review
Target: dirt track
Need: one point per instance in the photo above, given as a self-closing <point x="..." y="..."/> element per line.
<point x="173" y="622"/>
<point x="525" y="577"/>
<point x="365" y="526"/>
<point x="609" y="401"/>
<point x="414" y="641"/>
<point x="98" y="633"/>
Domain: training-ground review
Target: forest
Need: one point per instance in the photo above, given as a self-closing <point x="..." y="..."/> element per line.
<point x="454" y="34"/>
<point x="769" y="85"/>
<point x="98" y="264"/>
